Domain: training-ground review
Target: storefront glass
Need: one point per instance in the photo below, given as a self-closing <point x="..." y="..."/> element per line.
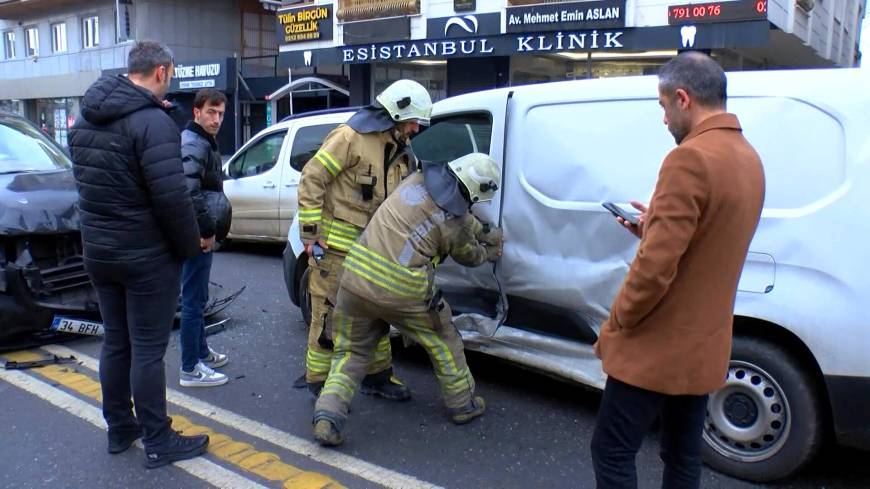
<point x="12" y="106"/>
<point x="432" y="76"/>
<point x="577" y="66"/>
<point x="56" y="116"/>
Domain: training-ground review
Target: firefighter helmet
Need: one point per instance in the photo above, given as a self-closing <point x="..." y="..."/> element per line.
<point x="407" y="100"/>
<point x="479" y="175"/>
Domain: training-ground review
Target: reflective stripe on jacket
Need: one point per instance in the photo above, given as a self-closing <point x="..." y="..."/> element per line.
<point x="345" y="182"/>
<point x="396" y="254"/>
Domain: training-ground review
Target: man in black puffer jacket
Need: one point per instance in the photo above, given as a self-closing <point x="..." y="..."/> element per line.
<point x="202" y="166"/>
<point x="138" y="224"/>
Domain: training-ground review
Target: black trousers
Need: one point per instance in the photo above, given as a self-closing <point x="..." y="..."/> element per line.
<point x="138" y="304"/>
<point x="626" y="414"/>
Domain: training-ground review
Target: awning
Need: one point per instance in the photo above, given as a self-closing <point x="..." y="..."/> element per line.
<point x="288" y="88"/>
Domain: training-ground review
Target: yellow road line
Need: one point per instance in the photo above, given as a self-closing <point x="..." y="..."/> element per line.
<point x="267" y="465"/>
<point x="348" y="464"/>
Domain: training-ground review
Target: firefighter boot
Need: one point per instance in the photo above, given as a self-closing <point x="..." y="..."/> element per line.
<point x="465" y="414"/>
<point x="386" y="385"/>
<point x="327" y="429"/>
<point x="315" y="388"/>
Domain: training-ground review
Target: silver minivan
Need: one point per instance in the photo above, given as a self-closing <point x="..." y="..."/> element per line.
<point x="800" y="366"/>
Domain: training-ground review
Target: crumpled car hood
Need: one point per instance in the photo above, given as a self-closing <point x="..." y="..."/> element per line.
<point x="38" y="203"/>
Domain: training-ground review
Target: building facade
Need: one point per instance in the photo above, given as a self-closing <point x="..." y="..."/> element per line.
<point x="456" y="46"/>
<point x="53" y="50"/>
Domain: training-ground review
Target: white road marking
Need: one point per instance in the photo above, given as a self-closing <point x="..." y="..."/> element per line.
<point x="345" y="463"/>
<point x="199" y="467"/>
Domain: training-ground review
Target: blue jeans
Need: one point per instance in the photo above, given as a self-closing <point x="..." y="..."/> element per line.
<point x="194" y="296"/>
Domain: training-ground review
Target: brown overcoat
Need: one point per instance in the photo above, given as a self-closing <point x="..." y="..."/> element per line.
<point x="669" y="329"/>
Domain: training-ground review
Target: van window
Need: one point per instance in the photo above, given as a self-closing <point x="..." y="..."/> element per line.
<point x="307" y="141"/>
<point x="451" y="137"/>
<point x="258" y="158"/>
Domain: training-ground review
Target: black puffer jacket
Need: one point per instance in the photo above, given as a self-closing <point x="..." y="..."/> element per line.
<point x="133" y="201"/>
<point x="202" y="166"/>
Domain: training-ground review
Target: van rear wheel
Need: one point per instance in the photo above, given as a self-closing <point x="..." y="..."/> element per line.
<point x="766" y="422"/>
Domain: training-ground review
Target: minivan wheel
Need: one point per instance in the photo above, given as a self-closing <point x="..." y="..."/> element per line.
<point x="766" y="422"/>
<point x="304" y="297"/>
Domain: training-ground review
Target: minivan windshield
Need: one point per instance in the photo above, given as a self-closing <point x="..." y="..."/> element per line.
<point x="24" y="149"/>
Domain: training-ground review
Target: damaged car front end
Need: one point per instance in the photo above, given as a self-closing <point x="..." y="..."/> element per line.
<point x="42" y="273"/>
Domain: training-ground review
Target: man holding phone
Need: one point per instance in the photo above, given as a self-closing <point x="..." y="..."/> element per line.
<point x="667" y="342"/>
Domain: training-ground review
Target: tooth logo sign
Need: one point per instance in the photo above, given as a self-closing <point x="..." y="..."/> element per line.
<point x="688" y="33"/>
<point x="307" y="56"/>
<point x="468" y="23"/>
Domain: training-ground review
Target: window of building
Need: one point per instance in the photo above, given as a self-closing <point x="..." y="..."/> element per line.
<point x="31" y="41"/>
<point x="124" y="21"/>
<point x="58" y="37"/>
<point x="91" y="32"/>
<point x="432" y="76"/>
<point x="9" y="44"/>
<point x="307" y="141"/>
<point x="259" y="44"/>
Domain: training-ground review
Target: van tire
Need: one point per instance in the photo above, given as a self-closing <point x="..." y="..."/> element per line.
<point x="304" y="297"/>
<point x="784" y="413"/>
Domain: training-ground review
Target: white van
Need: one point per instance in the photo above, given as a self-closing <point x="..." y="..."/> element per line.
<point x="261" y="179"/>
<point x="800" y="363"/>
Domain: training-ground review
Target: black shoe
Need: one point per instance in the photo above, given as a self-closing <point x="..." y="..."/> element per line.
<point x="327" y="429"/>
<point x="300" y="383"/>
<point x="176" y="447"/>
<point x="386" y="385"/>
<point x="315" y="387"/>
<point x="122" y="438"/>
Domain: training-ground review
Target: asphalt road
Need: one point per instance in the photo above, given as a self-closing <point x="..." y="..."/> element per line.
<point x="535" y="434"/>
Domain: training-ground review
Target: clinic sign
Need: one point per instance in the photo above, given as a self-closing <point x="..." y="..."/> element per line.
<point x="310" y="23"/>
<point x="566" y="16"/>
<point x="702" y="36"/>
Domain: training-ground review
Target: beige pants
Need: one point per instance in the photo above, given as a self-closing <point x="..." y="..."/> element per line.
<point x="360" y="323"/>
<point x="323" y="287"/>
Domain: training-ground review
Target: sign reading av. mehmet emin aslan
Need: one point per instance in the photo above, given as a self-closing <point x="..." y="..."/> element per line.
<point x="311" y="23"/>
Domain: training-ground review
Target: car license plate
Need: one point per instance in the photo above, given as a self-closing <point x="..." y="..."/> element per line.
<point x="77" y="326"/>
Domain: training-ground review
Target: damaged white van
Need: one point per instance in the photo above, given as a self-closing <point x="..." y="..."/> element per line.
<point x="800" y="364"/>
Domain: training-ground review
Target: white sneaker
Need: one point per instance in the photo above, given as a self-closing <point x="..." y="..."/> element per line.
<point x="202" y="376"/>
<point x="215" y="359"/>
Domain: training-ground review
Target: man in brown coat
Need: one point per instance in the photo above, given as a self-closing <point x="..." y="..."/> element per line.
<point x="667" y="342"/>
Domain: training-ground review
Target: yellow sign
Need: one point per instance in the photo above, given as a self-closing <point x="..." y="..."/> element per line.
<point x="311" y="23"/>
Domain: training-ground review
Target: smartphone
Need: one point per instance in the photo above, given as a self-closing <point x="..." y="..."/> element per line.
<point x="317" y="252"/>
<point x="620" y="212"/>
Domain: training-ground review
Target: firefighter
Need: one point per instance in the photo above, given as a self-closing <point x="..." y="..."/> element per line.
<point x="359" y="164"/>
<point x="389" y="277"/>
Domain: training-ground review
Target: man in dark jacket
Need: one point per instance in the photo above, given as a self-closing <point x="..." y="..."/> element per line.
<point x="202" y="166"/>
<point x="138" y="225"/>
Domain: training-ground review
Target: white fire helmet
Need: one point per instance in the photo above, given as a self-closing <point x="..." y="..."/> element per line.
<point x="479" y="175"/>
<point x="407" y="100"/>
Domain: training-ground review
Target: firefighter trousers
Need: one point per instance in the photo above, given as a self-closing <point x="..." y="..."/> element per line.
<point x="358" y="325"/>
<point x="322" y="288"/>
